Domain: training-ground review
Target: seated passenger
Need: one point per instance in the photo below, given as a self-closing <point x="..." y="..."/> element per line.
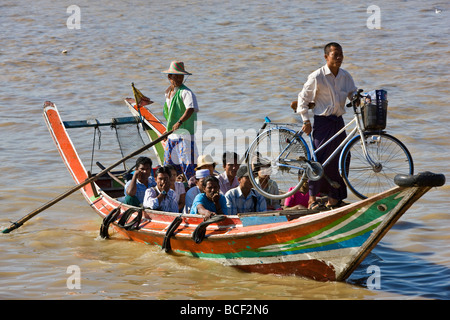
<point x="200" y="175"/>
<point x="203" y="162"/>
<point x="161" y="197"/>
<point x="227" y="179"/>
<point x="268" y="185"/>
<point x="298" y="200"/>
<point x="206" y="162"/>
<point x="211" y="202"/>
<point x="177" y="185"/>
<point x="244" y="198"/>
<point x="135" y="188"/>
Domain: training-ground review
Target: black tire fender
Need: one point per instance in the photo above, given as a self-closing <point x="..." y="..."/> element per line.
<point x="111" y="217"/>
<point x="423" y="179"/>
<point x="133" y="224"/>
<point x="199" y="233"/>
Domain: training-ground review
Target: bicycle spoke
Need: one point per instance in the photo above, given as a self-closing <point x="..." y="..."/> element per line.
<point x="282" y="152"/>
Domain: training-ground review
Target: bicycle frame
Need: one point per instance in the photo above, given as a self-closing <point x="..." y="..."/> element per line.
<point x="312" y="152"/>
<point x="365" y="156"/>
<point x="357" y="129"/>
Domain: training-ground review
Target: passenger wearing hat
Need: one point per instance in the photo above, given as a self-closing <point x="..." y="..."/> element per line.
<point x="244" y="198"/>
<point x="206" y="162"/>
<point x="180" y="111"/>
<point x="203" y="162"/>
<point x="200" y="175"/>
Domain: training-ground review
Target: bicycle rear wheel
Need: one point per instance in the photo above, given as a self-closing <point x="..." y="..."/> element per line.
<point x="280" y="154"/>
<point x="391" y="158"/>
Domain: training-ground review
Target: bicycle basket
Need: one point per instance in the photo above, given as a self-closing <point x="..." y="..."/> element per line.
<point x="374" y="110"/>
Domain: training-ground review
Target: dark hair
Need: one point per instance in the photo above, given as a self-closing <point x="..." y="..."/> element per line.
<point x="227" y="156"/>
<point x="208" y="179"/>
<point x="143" y="160"/>
<point x="170" y="167"/>
<point x="328" y="46"/>
<point x="163" y="170"/>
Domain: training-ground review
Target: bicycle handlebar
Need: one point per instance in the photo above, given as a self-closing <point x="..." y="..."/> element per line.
<point x="355" y="98"/>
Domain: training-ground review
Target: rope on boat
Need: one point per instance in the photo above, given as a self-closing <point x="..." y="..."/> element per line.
<point x="127" y="138"/>
<point x="96" y="128"/>
<point x="199" y="233"/>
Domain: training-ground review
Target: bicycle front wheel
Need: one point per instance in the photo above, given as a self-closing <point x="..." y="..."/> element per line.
<point x="390" y="157"/>
<point x="280" y="154"/>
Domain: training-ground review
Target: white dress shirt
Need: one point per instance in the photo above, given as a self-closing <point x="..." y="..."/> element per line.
<point x="327" y="92"/>
<point x="169" y="203"/>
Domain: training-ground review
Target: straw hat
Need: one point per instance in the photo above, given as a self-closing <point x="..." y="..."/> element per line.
<point x="205" y="160"/>
<point x="176" y="67"/>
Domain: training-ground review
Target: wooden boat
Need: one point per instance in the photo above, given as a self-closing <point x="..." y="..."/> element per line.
<point x="325" y="246"/>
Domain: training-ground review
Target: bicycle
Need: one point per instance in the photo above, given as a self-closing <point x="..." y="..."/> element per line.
<point x="369" y="159"/>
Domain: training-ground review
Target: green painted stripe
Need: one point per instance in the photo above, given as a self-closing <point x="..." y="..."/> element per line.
<point x="366" y="217"/>
<point x="257" y="253"/>
<point x="371" y="214"/>
<point x="322" y="244"/>
<point x="329" y="226"/>
<point x="93" y="198"/>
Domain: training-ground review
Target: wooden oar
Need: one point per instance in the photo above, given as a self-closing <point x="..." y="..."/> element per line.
<point x="21" y="221"/>
<point x="110" y="174"/>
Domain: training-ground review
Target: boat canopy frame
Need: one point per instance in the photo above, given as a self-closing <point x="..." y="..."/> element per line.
<point x="113" y="124"/>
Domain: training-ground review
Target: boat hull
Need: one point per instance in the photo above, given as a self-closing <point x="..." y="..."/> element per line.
<point x="325" y="246"/>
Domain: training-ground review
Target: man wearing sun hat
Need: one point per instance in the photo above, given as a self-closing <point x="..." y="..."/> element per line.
<point x="180" y="111"/>
<point x="206" y="162"/>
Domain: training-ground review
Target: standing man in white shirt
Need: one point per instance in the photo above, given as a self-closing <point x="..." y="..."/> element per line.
<point x="327" y="89"/>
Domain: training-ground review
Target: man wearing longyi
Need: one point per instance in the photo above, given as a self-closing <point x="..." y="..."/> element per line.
<point x="180" y="111"/>
<point x="326" y="90"/>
